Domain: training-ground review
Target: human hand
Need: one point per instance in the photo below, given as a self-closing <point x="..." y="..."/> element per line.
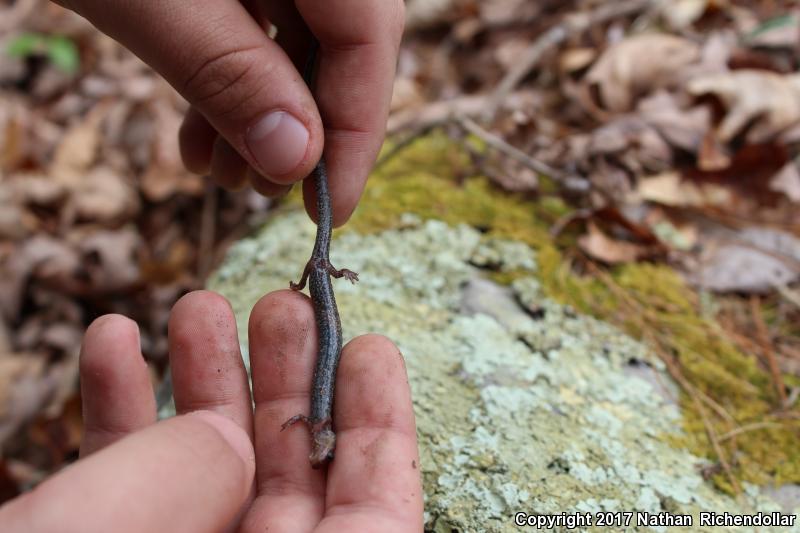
<point x="195" y="472"/>
<point x="250" y="106"/>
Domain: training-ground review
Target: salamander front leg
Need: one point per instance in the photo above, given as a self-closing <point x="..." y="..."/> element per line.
<point x="349" y="275"/>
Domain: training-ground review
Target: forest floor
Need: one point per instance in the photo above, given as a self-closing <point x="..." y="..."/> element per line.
<point x="665" y="133"/>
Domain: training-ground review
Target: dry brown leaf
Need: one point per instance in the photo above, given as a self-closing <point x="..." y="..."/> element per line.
<point x="110" y="259"/>
<point x="787" y="181"/>
<point x="683" y="128"/>
<point x="713" y="155"/>
<point x="669" y="189"/>
<point x="23" y="390"/>
<point x="680" y="14"/>
<point x="14" y="119"/>
<point x="741" y="268"/>
<point x="11" y="215"/>
<point x="104" y="196"/>
<point x="783" y="35"/>
<point x="165" y="174"/>
<point x="627" y="141"/>
<point x="748" y="260"/>
<point x="41" y="256"/>
<point x="422" y="14"/>
<point x="768" y="101"/>
<point x="78" y="147"/>
<point x="600" y="246"/>
<point x="575" y="59"/>
<point x="627" y="70"/>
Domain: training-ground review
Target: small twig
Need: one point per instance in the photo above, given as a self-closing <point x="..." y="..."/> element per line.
<point x="441" y="112"/>
<point x="502" y="146"/>
<point x="571" y="182"/>
<point x="556" y="35"/>
<point x="747" y="428"/>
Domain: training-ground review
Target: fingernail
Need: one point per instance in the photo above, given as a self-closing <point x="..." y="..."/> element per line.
<point x="278" y="142"/>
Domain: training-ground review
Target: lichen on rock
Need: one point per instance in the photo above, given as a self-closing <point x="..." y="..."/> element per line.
<point x="522" y="404"/>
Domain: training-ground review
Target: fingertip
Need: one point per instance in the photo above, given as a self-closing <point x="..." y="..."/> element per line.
<point x="116" y="391"/>
<point x="111" y="342"/>
<point x="208" y="372"/>
<point x="197" y="301"/>
<point x="344" y="199"/>
<point x="377" y="393"/>
<point x="281" y="307"/>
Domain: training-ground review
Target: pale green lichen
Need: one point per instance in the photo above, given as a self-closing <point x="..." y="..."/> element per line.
<point x="433" y="178"/>
<point x="522" y="404"/>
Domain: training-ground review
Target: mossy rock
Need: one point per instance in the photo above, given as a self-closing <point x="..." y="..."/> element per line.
<point x="525" y="403"/>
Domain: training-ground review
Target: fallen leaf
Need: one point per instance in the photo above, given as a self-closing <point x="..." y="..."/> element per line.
<point x="766" y="102"/>
<point x="104" y="195"/>
<point x="23" y="390"/>
<point x="680" y="14"/>
<point x="713" y="155"/>
<point x="787" y="181"/>
<point x="575" y="59"/>
<point x="14" y="119"/>
<point x="77" y="149"/>
<point x="627" y="71"/>
<point x="682" y="128"/>
<point x="165" y="174"/>
<point x="421" y="14"/>
<point x="600" y="246"/>
<point x="110" y="259"/>
<point x="736" y="267"/>
<point x="748" y="260"/>
<point x="779" y="32"/>
<point x="671" y="190"/>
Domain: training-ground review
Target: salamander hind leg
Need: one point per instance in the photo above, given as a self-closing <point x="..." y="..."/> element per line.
<point x="302" y="283"/>
<point x="294" y="420"/>
<point x="323" y="439"/>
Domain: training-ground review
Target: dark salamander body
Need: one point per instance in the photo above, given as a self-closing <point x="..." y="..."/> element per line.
<point x="318" y="272"/>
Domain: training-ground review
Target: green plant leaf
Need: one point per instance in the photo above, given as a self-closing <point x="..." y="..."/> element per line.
<point x="63" y="53"/>
<point x="25" y="45"/>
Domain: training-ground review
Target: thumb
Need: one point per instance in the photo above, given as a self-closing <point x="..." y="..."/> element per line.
<point x="191" y="473"/>
<point x="218" y="58"/>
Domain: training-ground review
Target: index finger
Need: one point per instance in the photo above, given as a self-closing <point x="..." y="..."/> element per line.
<point x="374" y="480"/>
<point x="358" y="40"/>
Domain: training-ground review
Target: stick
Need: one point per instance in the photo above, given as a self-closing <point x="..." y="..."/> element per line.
<point x="571" y="182"/>
<point x="439" y="113"/>
<point x="571" y="25"/>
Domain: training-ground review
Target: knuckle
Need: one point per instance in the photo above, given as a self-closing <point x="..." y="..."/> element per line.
<point x="219" y="82"/>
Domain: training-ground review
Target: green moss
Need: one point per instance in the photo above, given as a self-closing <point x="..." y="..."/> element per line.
<point x="434" y="179"/>
<point x="420" y="180"/>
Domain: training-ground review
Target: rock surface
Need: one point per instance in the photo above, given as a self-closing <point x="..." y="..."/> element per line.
<point x="522" y="405"/>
